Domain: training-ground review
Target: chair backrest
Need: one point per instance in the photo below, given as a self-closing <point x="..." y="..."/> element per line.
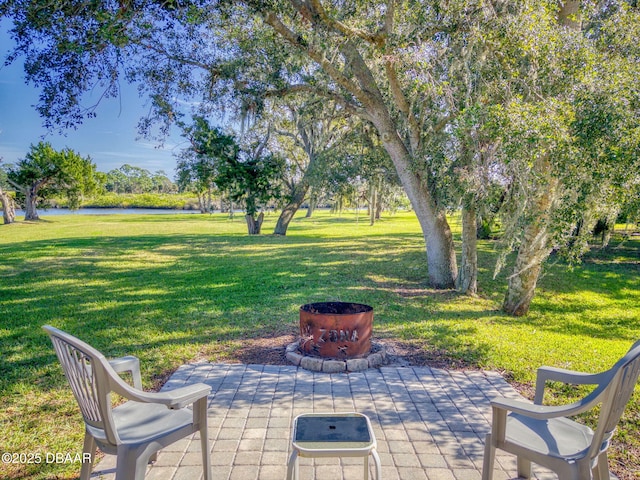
<point x="624" y="376"/>
<point x="86" y="371"/>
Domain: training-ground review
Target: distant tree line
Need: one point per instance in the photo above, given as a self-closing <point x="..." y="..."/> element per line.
<point x="131" y="179"/>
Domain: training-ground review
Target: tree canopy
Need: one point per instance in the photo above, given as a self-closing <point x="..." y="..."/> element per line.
<point x="200" y="164"/>
<point x="252" y="178"/>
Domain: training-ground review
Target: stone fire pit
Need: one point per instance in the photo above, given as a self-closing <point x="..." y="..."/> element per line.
<point x="336" y="337"/>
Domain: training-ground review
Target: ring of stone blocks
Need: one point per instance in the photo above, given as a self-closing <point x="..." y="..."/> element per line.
<point x="330" y="365"/>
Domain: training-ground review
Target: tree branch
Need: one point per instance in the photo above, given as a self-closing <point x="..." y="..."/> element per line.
<point x="16" y="186"/>
<point x="297" y="41"/>
<point x="377" y="38"/>
<point x="304" y="136"/>
<point x="179" y="59"/>
<point x="263" y="145"/>
<point x="403" y="104"/>
<point x="284" y="133"/>
<point x="368" y="85"/>
<point x="388" y="17"/>
<point x="333" y="96"/>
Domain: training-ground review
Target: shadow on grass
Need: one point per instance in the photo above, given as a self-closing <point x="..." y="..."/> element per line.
<point x="147" y="293"/>
<point x="154" y="293"/>
<point x="179" y="293"/>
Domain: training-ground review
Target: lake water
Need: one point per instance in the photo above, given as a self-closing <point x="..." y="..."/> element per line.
<point x="106" y="211"/>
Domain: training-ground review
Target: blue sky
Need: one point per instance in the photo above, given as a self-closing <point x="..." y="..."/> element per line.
<point x="111" y="139"/>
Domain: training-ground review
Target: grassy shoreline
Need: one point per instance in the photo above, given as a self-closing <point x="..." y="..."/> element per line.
<point x="184" y="287"/>
<point x="170" y="201"/>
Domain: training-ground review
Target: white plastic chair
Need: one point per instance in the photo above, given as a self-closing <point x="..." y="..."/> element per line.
<point x="543" y="435"/>
<point x="137" y="429"/>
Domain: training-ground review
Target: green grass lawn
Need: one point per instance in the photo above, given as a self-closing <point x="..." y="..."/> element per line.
<point x="174" y="288"/>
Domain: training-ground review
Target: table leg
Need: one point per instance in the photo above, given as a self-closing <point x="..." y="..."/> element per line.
<point x="376" y="460"/>
<point x="366" y="467"/>
<point x="292" y="466"/>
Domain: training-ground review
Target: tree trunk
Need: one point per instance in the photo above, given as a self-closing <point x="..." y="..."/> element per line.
<point x="373" y="204"/>
<point x="606" y="238"/>
<point x="201" y="203"/>
<point x="522" y="284"/>
<point x="467" y="281"/>
<point x="534" y="249"/>
<point x="378" y="208"/>
<point x="8" y="209"/>
<point x="228" y="207"/>
<point x="290" y="209"/>
<point x="607" y="230"/>
<point x="254" y="225"/>
<point x="441" y="257"/>
<point x="209" y="202"/>
<point x="31" y="200"/>
<point x="311" y="207"/>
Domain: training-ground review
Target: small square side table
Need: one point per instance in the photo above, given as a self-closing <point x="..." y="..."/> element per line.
<point x="332" y="435"/>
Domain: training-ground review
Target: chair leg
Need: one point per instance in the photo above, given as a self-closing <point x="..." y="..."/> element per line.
<point x="206" y="454"/>
<point x="88" y="452"/>
<point x="601" y="472"/>
<point x="489" y="458"/>
<point x="524" y="467"/>
<point x="130" y="464"/>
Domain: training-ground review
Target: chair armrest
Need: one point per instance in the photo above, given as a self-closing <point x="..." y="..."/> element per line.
<point x="128" y="364"/>
<point x="546" y="374"/>
<point x="541" y="412"/>
<point x="187" y="395"/>
<point x="173" y="399"/>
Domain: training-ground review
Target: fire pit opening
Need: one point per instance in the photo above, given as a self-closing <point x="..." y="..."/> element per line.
<point x="337" y="330"/>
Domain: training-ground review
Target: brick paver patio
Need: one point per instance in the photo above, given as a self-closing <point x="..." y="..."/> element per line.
<point x="429" y="423"/>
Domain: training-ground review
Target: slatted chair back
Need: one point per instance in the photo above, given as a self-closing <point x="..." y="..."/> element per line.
<point x="84" y="368"/>
<point x="625" y="375"/>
